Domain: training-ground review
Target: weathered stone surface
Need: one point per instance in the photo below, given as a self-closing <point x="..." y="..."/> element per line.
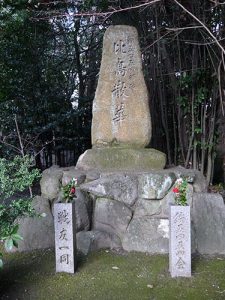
<point x="155" y="185"/>
<point x="151" y="208"/>
<point x="111" y="216"/>
<point x="37" y="233"/>
<point x="195" y="176"/>
<point x="70" y="173"/>
<point x="65" y="237"/>
<point x="147" y="235"/>
<point x="209" y="223"/>
<point x="116" y="159"/>
<point x="88" y="241"/>
<point x="50" y="182"/>
<point x="92" y="175"/>
<point x="121" y="187"/>
<point x="180" y="241"/>
<point x="81" y="210"/>
<point x="120" y="109"/>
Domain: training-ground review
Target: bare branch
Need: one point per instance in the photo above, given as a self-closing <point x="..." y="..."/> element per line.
<point x="205" y="27"/>
<point x="183" y="28"/>
<point x="101" y="14"/>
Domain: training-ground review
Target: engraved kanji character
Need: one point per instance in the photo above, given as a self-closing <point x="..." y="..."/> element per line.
<point x="119" y="113"/>
<point x="63" y="247"/>
<point x="179" y="217"/>
<point x="130" y="43"/>
<point x="119" y="89"/>
<point x="121" y="68"/>
<point x="120" y="47"/>
<point x="63" y="217"/>
<point x="64" y="259"/>
<point x="63" y="234"/>
<point x="180" y="263"/>
<point x="180" y="252"/>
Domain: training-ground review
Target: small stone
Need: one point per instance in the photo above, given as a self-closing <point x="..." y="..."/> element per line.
<point x="150" y="286"/>
<point x="115" y="268"/>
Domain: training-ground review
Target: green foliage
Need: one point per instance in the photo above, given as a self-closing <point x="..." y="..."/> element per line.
<point x="8" y="215"/>
<point x="16" y="175"/>
<point x="69" y="191"/>
<point x="180" y="191"/>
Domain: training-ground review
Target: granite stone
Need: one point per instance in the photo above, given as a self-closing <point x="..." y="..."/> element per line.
<point x="121" y="113"/>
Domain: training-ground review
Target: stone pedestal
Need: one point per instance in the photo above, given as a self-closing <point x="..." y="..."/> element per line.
<point x="180" y="241"/>
<point x="122" y="159"/>
<point x="65" y="237"/>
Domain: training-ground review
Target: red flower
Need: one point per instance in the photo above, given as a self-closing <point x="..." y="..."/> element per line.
<point x="175" y="190"/>
<point x="73" y="190"/>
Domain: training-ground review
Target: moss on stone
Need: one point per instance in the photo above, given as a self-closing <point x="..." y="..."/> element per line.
<point x="122" y="159"/>
<point x="139" y="276"/>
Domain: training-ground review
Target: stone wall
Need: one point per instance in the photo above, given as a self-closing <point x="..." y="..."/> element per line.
<point x="127" y="210"/>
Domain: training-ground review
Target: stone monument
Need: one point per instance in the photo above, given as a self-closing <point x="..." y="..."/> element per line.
<point x="65" y="237"/>
<point x="180" y="241"/>
<point x="121" y="125"/>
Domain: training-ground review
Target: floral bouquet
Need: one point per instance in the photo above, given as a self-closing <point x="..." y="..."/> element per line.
<point x="180" y="191"/>
<point x="69" y="191"/>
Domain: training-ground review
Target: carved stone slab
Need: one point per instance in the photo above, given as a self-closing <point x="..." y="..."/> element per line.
<point x="180" y="241"/>
<point x="121" y="113"/>
<point x="65" y="237"/>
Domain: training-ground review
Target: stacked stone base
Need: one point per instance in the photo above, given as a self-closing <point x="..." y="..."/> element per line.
<point x="127" y="210"/>
<point x="119" y="159"/>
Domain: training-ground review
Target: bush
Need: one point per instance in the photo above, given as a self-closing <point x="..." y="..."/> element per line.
<point x="16" y="175"/>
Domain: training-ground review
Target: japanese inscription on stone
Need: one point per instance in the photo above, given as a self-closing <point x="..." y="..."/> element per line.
<point x="65" y="237"/>
<point x="180" y="241"/>
<point x="124" y="78"/>
<point x="121" y="106"/>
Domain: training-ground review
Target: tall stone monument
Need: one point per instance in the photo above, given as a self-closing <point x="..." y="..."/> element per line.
<point x="121" y="125"/>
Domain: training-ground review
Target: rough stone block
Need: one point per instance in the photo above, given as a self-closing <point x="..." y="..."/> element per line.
<point x="150" y="208"/>
<point x="120" y="187"/>
<point x="147" y="235"/>
<point x="155" y="185"/>
<point x="94" y="240"/>
<point x="121" y="159"/>
<point x="50" y="182"/>
<point x="209" y="223"/>
<point x="111" y="216"/>
<point x="37" y="233"/>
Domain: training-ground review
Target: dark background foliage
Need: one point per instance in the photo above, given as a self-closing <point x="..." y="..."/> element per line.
<point x="50" y="54"/>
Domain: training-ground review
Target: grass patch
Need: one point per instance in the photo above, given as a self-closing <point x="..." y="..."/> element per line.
<point x="137" y="276"/>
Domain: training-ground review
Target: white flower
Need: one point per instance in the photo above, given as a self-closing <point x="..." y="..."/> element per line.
<point x="179" y="180"/>
<point x="75" y="180"/>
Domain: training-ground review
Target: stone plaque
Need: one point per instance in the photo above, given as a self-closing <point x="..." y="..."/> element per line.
<point x="180" y="241"/>
<point x="65" y="237"/>
<point x="121" y="113"/>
